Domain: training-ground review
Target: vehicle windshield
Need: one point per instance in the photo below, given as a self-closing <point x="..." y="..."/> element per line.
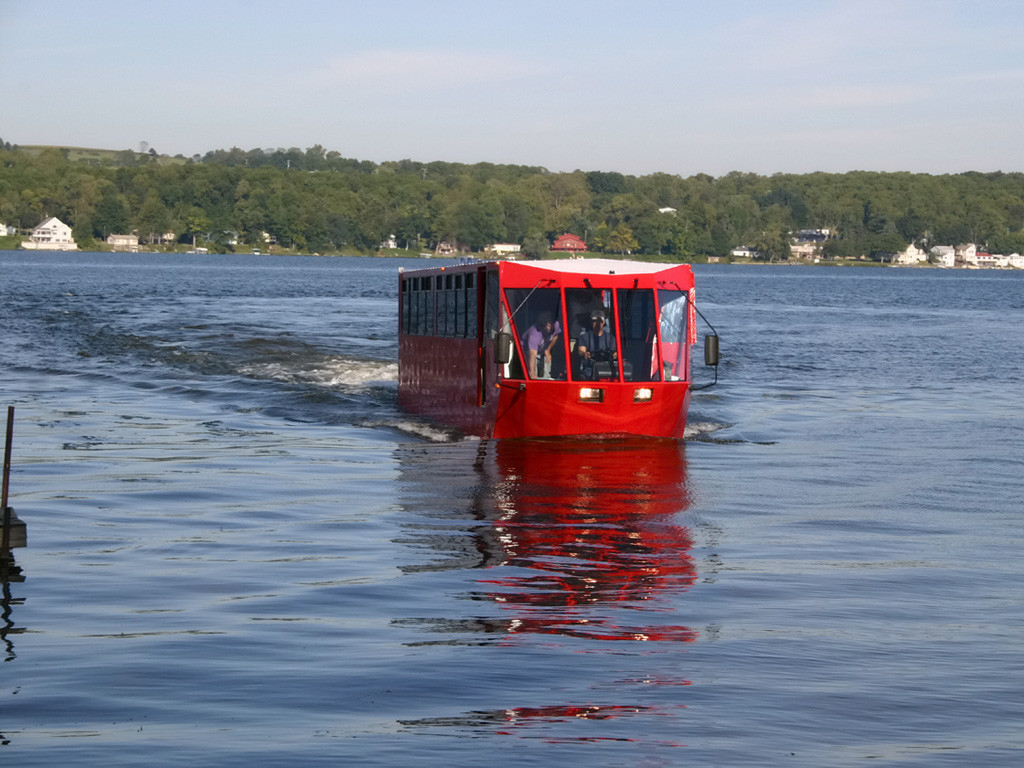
<point x="537" y="323"/>
<point x="592" y="343"/>
<point x="638" y="329"/>
<point x="604" y="334"/>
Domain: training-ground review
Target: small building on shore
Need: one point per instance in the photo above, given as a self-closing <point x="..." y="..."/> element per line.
<point x="503" y="250"/>
<point x="986" y="260"/>
<point x="809" y="250"/>
<point x="943" y="256"/>
<point x="745" y="252"/>
<point x="966" y="255"/>
<point x="52" y="235"/>
<point x="912" y="255"/>
<point x="129" y="243"/>
<point x="569" y="242"/>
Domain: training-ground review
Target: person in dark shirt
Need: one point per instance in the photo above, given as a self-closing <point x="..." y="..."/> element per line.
<point x="595" y="349"/>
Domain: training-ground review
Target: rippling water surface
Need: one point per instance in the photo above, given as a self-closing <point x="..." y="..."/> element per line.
<point x="241" y="552"/>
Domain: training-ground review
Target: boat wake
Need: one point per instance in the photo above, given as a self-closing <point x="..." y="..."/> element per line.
<point x="705" y="432"/>
<point x="702" y="430"/>
<point x="371" y="386"/>
<point x="350" y="375"/>
<point x="421" y="430"/>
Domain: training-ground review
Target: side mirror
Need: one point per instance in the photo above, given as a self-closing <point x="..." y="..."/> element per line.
<point x="503" y="349"/>
<point x="711" y="349"/>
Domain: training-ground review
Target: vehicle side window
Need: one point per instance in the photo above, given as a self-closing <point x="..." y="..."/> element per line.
<point x="672" y="306"/>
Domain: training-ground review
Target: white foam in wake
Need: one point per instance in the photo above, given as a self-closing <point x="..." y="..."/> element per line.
<point x="433" y="433"/>
<point x="698" y="429"/>
<point x="333" y="372"/>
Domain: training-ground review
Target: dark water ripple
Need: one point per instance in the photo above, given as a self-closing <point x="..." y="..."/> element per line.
<point x="242" y="553"/>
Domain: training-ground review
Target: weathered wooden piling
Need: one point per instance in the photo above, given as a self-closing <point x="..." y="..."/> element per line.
<point x="15" y="532"/>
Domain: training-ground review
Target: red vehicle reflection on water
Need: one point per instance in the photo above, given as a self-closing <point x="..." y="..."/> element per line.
<point x="573" y="543"/>
<point x="579" y="536"/>
<point x="520" y="720"/>
<point x="592" y="524"/>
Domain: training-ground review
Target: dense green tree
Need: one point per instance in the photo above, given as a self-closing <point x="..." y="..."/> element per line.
<point x="623" y="208"/>
<point x="153" y="218"/>
<point x="790" y="199"/>
<point x="654" y="232"/>
<point x="111" y="216"/>
<point x="195" y="224"/>
<point x="522" y="215"/>
<point x="1007" y="243"/>
<point x="773" y="241"/>
<point x="682" y="244"/>
<point x="621" y="240"/>
<point x="536" y="245"/>
<point x="912" y="228"/>
<point x="740" y="216"/>
<point x="606" y="183"/>
<point x="479" y="220"/>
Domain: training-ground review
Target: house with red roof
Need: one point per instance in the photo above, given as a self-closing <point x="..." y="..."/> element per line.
<point x="570" y="243"/>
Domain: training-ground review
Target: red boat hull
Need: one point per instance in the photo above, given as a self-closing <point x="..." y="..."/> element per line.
<point x="547" y="408"/>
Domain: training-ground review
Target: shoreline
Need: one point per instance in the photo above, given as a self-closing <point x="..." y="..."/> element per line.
<point x="397" y="254"/>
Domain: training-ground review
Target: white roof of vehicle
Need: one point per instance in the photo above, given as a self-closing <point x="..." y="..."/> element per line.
<point x="599" y="266"/>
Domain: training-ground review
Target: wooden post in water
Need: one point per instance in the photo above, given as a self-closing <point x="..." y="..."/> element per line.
<point x="5" y="544"/>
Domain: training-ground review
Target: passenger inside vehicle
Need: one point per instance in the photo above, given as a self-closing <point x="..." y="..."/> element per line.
<point x="541" y="343"/>
<point x="595" y="350"/>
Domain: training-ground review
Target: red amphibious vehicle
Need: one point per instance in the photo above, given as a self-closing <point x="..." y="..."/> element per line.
<point x="592" y="347"/>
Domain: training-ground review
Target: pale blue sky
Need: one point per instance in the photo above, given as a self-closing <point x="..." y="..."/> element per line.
<point x="638" y="86"/>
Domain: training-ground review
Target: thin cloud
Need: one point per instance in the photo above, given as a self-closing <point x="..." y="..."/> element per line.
<point x="1003" y="76"/>
<point x="867" y="96"/>
<point x="396" y="71"/>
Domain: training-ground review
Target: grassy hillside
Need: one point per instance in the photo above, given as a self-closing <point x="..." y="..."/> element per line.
<point x="100" y="156"/>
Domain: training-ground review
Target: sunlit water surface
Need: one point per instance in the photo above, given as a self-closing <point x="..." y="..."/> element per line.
<point x="242" y="553"/>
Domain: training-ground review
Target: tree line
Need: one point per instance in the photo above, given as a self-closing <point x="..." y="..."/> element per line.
<point x="315" y="200"/>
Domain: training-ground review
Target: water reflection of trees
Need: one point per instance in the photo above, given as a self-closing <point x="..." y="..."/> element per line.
<point x="573" y="538"/>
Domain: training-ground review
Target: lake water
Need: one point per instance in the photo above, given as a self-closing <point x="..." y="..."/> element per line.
<point x="241" y="553"/>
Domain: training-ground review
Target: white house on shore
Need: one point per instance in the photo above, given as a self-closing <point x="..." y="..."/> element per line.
<point x="802" y="250"/>
<point x="912" y="255"/>
<point x="989" y="260"/>
<point x="52" y="235"/>
<point x="744" y="252"/>
<point x="503" y="250"/>
<point x="128" y="243"/>
<point x="943" y="256"/>
<point x="967" y="255"/>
